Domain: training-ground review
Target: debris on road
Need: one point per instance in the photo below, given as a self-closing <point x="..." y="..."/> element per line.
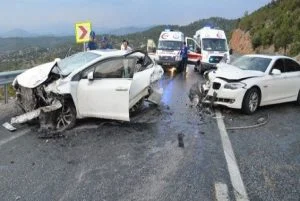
<point x="180" y="140"/>
<point x="9" y="127"/>
<point x="260" y="122"/>
<point x="36" y="113"/>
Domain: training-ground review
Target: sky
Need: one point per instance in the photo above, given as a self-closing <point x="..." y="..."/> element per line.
<point x="52" y="16"/>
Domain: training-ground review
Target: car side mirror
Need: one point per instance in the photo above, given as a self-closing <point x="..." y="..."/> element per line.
<point x="90" y="76"/>
<point x="57" y="60"/>
<point x="231" y="51"/>
<point x="276" y="72"/>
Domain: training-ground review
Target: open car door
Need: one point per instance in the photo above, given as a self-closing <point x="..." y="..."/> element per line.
<point x="103" y="91"/>
<point x="194" y="53"/>
<point x="142" y="76"/>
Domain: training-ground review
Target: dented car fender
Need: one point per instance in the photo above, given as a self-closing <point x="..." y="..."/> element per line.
<point x="39" y="73"/>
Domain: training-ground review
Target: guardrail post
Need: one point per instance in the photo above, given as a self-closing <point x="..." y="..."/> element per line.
<point x="6" y="93"/>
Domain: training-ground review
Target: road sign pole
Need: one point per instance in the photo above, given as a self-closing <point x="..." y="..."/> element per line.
<point x="6" y="93"/>
<point x="84" y="49"/>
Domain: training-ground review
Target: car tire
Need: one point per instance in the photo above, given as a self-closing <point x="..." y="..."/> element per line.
<point x="251" y="101"/>
<point x="200" y="68"/>
<point x="298" y="98"/>
<point x="138" y="106"/>
<point x="179" y="68"/>
<point x="195" y="68"/>
<point x="66" y="117"/>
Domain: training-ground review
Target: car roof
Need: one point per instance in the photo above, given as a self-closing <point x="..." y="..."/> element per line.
<point x="269" y="56"/>
<point x="109" y="52"/>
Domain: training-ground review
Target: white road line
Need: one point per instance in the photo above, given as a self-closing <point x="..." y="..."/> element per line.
<point x="221" y="192"/>
<point x="234" y="172"/>
<point x="20" y="134"/>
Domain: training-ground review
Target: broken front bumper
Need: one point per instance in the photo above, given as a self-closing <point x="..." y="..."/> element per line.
<point x="221" y="96"/>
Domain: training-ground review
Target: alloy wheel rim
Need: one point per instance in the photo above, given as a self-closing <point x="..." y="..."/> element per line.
<point x="253" y="103"/>
<point x="64" y="119"/>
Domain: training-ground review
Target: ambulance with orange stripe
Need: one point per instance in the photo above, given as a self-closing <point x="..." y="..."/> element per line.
<point x="168" y="48"/>
<point x="208" y="47"/>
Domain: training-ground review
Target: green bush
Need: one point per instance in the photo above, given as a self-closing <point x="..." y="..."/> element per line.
<point x="256" y="40"/>
<point x="276" y="23"/>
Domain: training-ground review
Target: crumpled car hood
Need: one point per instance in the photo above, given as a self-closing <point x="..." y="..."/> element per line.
<point x="230" y="72"/>
<point x="35" y="76"/>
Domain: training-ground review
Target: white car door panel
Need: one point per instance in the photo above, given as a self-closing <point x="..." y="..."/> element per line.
<point x="292" y="85"/>
<point x="106" y="93"/>
<point x="141" y="80"/>
<point x="272" y="89"/>
<point x="273" y="86"/>
<point x="104" y="98"/>
<point x="292" y="72"/>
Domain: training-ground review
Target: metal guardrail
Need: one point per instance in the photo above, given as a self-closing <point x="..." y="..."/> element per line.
<point x="6" y="78"/>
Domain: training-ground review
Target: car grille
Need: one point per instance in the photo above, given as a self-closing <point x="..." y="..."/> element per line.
<point x="223" y="100"/>
<point x="216" y="85"/>
<point x="215" y="59"/>
<point x="166" y="58"/>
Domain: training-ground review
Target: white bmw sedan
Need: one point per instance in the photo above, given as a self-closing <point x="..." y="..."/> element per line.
<point x="101" y="83"/>
<point x="252" y="81"/>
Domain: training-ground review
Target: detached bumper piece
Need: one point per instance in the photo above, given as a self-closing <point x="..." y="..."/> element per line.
<point x="9" y="127"/>
<point x="155" y="96"/>
<point x="31" y="115"/>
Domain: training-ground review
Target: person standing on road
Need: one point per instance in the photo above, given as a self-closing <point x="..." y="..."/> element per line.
<point x="184" y="56"/>
<point x="92" y="44"/>
<point x="105" y="43"/>
<point x="125" y="46"/>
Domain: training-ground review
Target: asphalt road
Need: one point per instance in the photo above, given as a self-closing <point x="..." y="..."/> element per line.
<point x="142" y="160"/>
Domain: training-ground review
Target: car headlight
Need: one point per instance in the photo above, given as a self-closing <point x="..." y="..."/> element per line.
<point x="235" y="85"/>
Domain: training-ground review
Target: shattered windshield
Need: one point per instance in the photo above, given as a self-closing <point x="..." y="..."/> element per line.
<point x="69" y="64"/>
<point x="213" y="44"/>
<point x="169" y="45"/>
<point x="252" y="63"/>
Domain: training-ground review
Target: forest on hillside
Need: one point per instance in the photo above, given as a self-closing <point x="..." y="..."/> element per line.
<point x="277" y="23"/>
<point x="140" y="39"/>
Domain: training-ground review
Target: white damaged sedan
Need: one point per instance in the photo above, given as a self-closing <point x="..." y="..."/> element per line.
<point x="103" y="84"/>
<point x="252" y="81"/>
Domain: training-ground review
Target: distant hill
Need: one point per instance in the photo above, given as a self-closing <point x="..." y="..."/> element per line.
<point x="15" y="44"/>
<point x="123" y="30"/>
<point x="137" y="39"/>
<point x="274" y="27"/>
<point x="140" y="39"/>
<point x="17" y="33"/>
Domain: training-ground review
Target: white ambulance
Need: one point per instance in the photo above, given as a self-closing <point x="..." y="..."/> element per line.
<point x="168" y="49"/>
<point x="208" y="47"/>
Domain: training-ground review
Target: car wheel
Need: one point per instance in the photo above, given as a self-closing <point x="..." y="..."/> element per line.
<point x="66" y="117"/>
<point x="251" y="101"/>
<point x="200" y="68"/>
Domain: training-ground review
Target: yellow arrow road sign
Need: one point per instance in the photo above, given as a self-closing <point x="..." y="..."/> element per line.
<point x="82" y="31"/>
